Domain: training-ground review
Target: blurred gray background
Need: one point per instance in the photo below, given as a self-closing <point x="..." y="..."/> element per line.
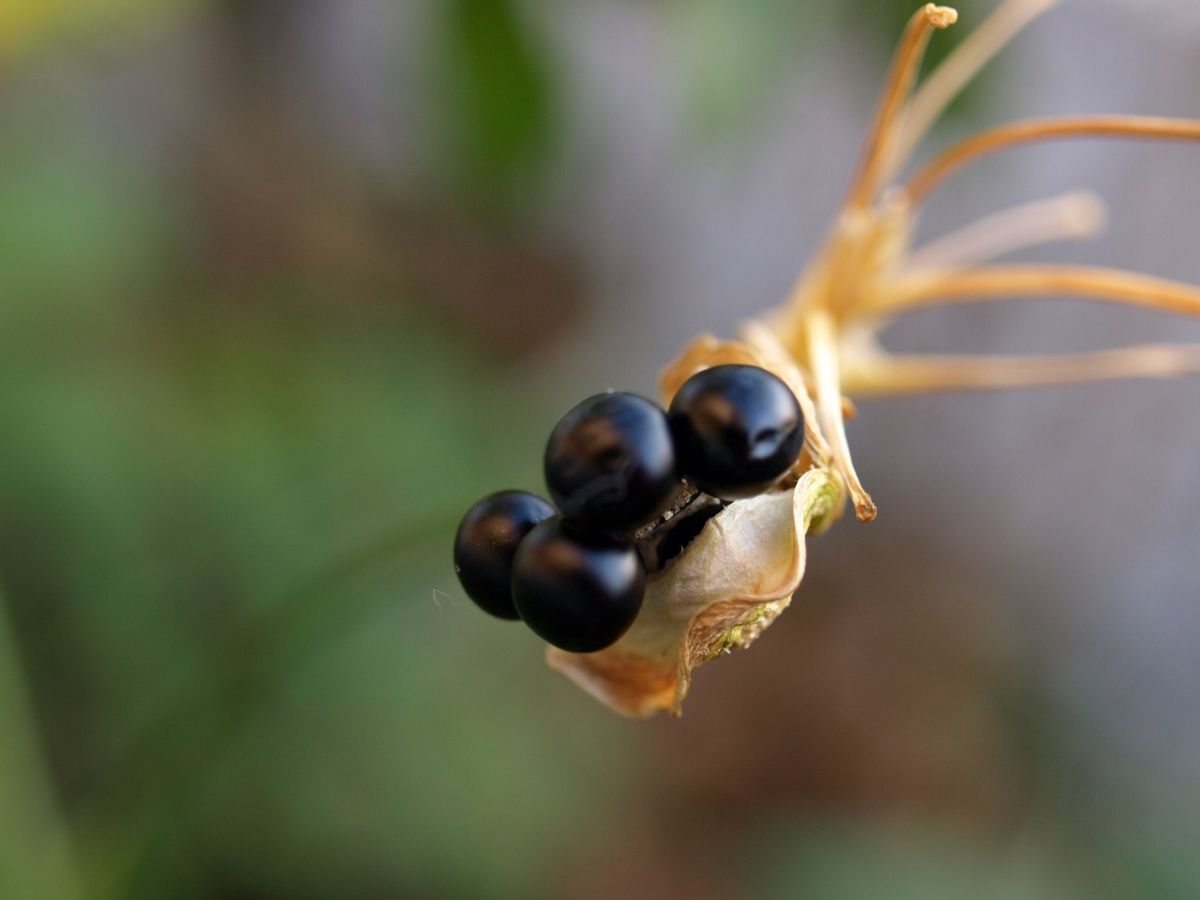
<point x="288" y="285"/>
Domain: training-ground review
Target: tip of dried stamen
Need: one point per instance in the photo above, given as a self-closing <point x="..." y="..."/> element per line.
<point x="940" y="16"/>
<point x="1084" y="214"/>
<point x="865" y="509"/>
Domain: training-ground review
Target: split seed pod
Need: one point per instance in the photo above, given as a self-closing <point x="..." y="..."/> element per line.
<point x="729" y="583"/>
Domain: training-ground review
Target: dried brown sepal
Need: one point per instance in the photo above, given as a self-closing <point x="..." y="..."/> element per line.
<point x="702" y="353"/>
<point x="734" y="579"/>
<point x="760" y="348"/>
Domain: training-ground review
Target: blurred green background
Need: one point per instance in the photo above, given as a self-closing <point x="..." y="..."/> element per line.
<point x="285" y="286"/>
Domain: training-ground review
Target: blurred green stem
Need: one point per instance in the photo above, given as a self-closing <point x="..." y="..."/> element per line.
<point x="132" y="801"/>
<point x="35" y="846"/>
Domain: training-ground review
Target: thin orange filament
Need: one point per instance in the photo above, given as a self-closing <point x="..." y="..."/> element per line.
<point x="946" y="164"/>
<point x="897" y="87"/>
<point x="999" y="282"/>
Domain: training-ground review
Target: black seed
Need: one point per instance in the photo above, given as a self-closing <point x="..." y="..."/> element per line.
<point x="577" y="591"/>
<point x="610" y="463"/>
<point x="737" y="429"/>
<point x="486" y="542"/>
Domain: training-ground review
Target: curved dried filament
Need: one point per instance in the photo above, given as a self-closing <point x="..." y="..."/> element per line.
<point x="958" y="69"/>
<point x="999" y="282"/>
<point x="893" y="375"/>
<point x="944" y="165"/>
<point x="823" y="359"/>
<point x="1070" y="216"/>
<point x="897" y="86"/>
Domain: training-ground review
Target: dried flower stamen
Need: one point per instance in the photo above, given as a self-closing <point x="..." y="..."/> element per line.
<point x="1071" y="216"/>
<point x="1011" y="281"/>
<point x="905" y="66"/>
<point x="895" y="375"/>
<point x="945" y="164"/>
<point x="958" y="69"/>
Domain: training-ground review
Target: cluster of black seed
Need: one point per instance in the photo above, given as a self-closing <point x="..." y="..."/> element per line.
<point x="614" y="464"/>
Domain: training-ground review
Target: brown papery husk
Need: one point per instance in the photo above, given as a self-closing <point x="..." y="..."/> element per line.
<point x="734" y="579"/>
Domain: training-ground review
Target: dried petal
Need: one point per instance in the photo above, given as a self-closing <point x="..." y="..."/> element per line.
<point x="723" y="592"/>
<point x="703" y="353"/>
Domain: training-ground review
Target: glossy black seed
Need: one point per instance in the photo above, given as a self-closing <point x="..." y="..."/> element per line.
<point x="610" y="463"/>
<point x="737" y="429"/>
<point x="486" y="542"/>
<point x="578" y="591"/>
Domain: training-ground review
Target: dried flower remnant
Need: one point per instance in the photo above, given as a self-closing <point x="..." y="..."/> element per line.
<point x="729" y="585"/>
<point x="746" y="562"/>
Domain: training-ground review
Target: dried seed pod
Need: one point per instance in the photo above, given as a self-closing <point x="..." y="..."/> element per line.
<point x="722" y="593"/>
<point x="740" y="571"/>
<point x="730" y="582"/>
